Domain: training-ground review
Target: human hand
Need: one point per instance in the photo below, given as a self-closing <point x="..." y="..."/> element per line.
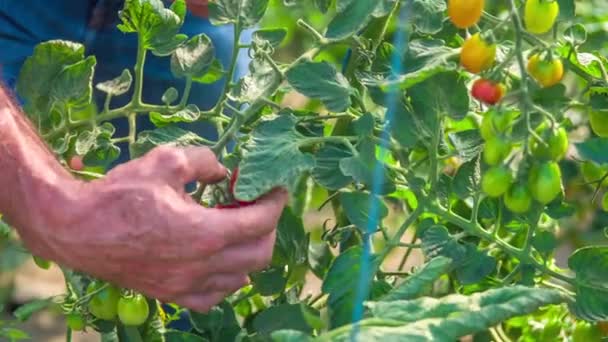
<point x="139" y="229"/>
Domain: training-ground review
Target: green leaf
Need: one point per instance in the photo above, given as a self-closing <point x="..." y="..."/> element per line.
<point x="14" y="334"/>
<point x="443" y="94"/>
<point x="271" y="158"/>
<point x="73" y="85"/>
<point x="567" y="9"/>
<point x="591" y="267"/>
<point x="259" y="82"/>
<point x="169" y="96"/>
<point x="40" y="70"/>
<point x="291" y="246"/>
<point x="327" y="166"/>
<point x="25" y="311"/>
<point x="450" y="317"/>
<point x="467" y="179"/>
<point x="168" y="135"/>
<point x="269" y="282"/>
<point x="193" y="58"/>
<point x="157" y="26"/>
<point x="244" y="13"/>
<point x="544" y="241"/>
<point x="421" y="282"/>
<point x="404" y="127"/>
<point x="274" y="36"/>
<point x="219" y="322"/>
<point x="189" y="114"/>
<point x="290" y="335"/>
<point x="576" y="34"/>
<point x="357" y="205"/>
<point x="594" y="149"/>
<point x="182" y="336"/>
<point x="383" y="8"/>
<point x="323" y="5"/>
<point x="467" y="143"/>
<point x="215" y="73"/>
<point x="341" y="284"/>
<point x="351" y="16"/>
<point x="319" y="258"/>
<point x="280" y="317"/>
<point x="320" y="80"/>
<point x="117" y="86"/>
<point x="426" y="15"/>
<point x="362" y="168"/>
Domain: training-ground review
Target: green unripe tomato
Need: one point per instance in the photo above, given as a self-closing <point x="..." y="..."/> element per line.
<point x="605" y="202"/>
<point x="593" y="173"/>
<point x="586" y="332"/>
<point x="540" y="15"/>
<point x="518" y="199"/>
<point x="496" y="181"/>
<point x="42" y="263"/>
<point x="133" y="310"/>
<point x="545" y="182"/>
<point x="75" y="321"/>
<point x="557" y="146"/>
<point x="103" y="304"/>
<point x="496" y="150"/>
<point x="599" y="122"/>
<point x="495" y="123"/>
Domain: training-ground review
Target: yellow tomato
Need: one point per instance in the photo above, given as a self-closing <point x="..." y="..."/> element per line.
<point x="465" y="13"/>
<point x="540" y="15"/>
<point x="546" y="72"/>
<point x="476" y="54"/>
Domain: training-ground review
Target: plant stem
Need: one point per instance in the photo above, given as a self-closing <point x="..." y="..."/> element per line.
<point x="133" y="334"/>
<point x="231" y="71"/>
<point x="132" y="128"/>
<point x="139" y="72"/>
<point x="186" y="94"/>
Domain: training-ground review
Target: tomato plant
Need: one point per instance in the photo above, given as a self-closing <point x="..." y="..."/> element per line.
<point x="386" y="138"/>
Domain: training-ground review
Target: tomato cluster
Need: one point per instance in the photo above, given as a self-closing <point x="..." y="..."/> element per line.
<point x="107" y="302"/>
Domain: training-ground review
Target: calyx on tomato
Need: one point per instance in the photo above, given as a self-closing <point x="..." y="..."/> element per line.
<point x="487" y="91"/>
<point x="540" y="15"/>
<point x="547" y="71"/>
<point x="477" y="54"/>
<point x="465" y="13"/>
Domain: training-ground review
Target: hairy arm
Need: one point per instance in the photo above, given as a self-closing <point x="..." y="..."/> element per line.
<point x="137" y="227"/>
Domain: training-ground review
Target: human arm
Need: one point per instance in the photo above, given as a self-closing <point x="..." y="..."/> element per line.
<point x="136" y="227"/>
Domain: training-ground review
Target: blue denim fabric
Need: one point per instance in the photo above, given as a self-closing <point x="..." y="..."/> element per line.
<point x="25" y="23"/>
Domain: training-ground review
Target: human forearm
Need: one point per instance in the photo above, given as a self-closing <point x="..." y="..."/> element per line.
<point x="31" y="179"/>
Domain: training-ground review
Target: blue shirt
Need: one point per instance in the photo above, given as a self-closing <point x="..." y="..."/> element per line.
<point x="25" y="23"/>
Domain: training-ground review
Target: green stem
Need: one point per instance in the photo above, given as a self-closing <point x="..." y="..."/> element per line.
<point x="133" y="334"/>
<point x="396" y="239"/>
<point x="139" y="72"/>
<point x="68" y="335"/>
<point x="132" y="128"/>
<point x="186" y="94"/>
<point x="231" y="71"/>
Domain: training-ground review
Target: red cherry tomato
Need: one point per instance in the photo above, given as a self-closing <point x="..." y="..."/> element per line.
<point x="487" y="91"/>
<point x="76" y="163"/>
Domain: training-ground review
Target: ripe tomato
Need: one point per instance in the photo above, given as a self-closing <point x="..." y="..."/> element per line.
<point x="465" y="13"/>
<point x="496" y="181"/>
<point x="540" y="15"/>
<point x="495" y="123"/>
<point x="75" y="321"/>
<point x="496" y="150"/>
<point x="76" y="163"/>
<point x="545" y="182"/>
<point x="546" y="72"/>
<point x="518" y="199"/>
<point x="133" y="310"/>
<point x="103" y="304"/>
<point x="487" y="91"/>
<point x="476" y="54"/>
<point x="592" y="173"/>
<point x="557" y="146"/>
<point x="42" y="263"/>
<point x="599" y="122"/>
